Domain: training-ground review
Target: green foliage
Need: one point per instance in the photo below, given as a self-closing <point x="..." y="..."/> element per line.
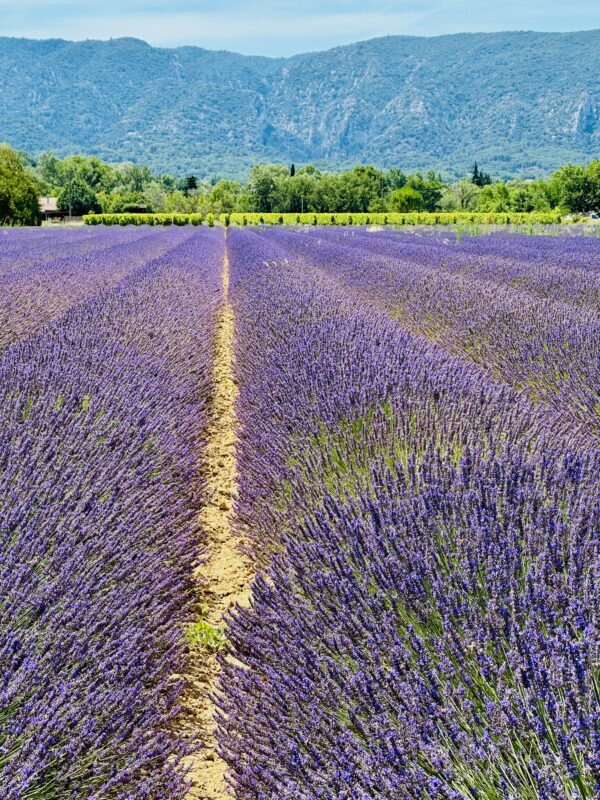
<point x="208" y="637"/>
<point x="56" y="174"/>
<point x="191" y="184"/>
<point x="358" y="189"/>
<point x="49" y="168"/>
<point x="134" y="177"/>
<point x="406" y="199"/>
<point x="233" y="111"/>
<point x="78" y="198"/>
<point x="580" y="187"/>
<point x="414" y="218"/>
<point x="263" y="186"/>
<point x="132" y="202"/>
<point x="395" y="179"/>
<point x="480" y="178"/>
<point x="462" y="196"/>
<point x="224" y="196"/>
<point x="18" y="191"/>
<point x="430" y="188"/>
<point x="273" y="190"/>
<point x="145" y="219"/>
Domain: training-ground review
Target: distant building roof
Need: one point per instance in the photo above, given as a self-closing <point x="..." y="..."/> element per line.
<point x="48" y="204"/>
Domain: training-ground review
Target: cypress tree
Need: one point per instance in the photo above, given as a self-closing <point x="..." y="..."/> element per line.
<point x="191" y="183"/>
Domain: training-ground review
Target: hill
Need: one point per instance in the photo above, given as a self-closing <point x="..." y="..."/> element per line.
<point x="520" y="103"/>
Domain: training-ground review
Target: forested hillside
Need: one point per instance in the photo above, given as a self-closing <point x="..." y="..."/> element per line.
<point x="523" y="103"/>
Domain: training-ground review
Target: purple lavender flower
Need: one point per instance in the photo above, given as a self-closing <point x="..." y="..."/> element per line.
<point x="101" y="435"/>
<point x="427" y="621"/>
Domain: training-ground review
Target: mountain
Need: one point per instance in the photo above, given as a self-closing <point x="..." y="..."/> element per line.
<point x="519" y="103"/>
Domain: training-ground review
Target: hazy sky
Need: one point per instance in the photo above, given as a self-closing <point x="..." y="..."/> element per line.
<point x="283" y="28"/>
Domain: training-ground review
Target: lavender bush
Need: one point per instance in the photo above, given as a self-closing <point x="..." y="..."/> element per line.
<point x="531" y="321"/>
<point x="29" y="246"/>
<point x="37" y="292"/>
<point x="101" y="428"/>
<point x="428" y="624"/>
<point x="419" y="486"/>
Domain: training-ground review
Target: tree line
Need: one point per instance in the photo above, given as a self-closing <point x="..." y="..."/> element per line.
<point x="85" y="184"/>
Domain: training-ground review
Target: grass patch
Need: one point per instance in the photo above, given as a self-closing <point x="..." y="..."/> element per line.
<point x="206" y="636"/>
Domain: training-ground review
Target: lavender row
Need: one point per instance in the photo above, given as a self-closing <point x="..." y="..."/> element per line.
<point x="546" y="347"/>
<point x="101" y="430"/>
<point x="427" y="624"/>
<point x="260" y="267"/>
<point x="26" y="247"/>
<point x="31" y="296"/>
<point x="568" y="273"/>
<point x="560" y="268"/>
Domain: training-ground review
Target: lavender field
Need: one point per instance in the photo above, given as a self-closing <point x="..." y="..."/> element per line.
<point x="416" y="489"/>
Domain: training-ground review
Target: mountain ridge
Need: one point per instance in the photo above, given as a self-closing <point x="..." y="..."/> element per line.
<point x="520" y="102"/>
<point x="372" y="40"/>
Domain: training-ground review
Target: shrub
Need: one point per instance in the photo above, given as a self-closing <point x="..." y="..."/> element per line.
<point x="18" y="194"/>
<point x="372" y="218"/>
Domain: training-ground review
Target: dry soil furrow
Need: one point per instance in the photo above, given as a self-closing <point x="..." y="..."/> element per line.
<point x="224" y="577"/>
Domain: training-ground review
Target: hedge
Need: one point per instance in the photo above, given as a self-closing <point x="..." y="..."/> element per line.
<point x="390" y="218"/>
<point x="144" y="219"/>
<point x="415" y="218"/>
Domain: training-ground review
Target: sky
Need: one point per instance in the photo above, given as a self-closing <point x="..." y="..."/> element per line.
<point x="268" y="28"/>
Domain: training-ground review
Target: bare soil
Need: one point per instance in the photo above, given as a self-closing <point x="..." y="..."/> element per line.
<point x="224" y="576"/>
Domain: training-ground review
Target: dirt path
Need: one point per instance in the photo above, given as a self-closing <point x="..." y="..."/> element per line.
<point x="224" y="579"/>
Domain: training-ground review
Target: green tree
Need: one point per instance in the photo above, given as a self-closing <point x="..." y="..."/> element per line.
<point x="167" y="181"/>
<point x="479" y="177"/>
<point x="181" y="203"/>
<point x="263" y="190"/>
<point x="134" y="178"/>
<point x="430" y="188"/>
<point x="223" y="196"/>
<point x="521" y="199"/>
<point x="296" y="194"/>
<point x="309" y="169"/>
<point x="356" y="190"/>
<point x="461" y="196"/>
<point x="593" y="172"/>
<point x="156" y="197"/>
<point x="125" y="203"/>
<point x="324" y="192"/>
<point x="579" y="187"/>
<point x="96" y="174"/>
<point x="19" y="204"/>
<point x="395" y="179"/>
<point x="494" y="197"/>
<point x="50" y="171"/>
<point x="263" y="186"/>
<point x="77" y="198"/>
<point x="191" y="184"/>
<point x="407" y="199"/>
